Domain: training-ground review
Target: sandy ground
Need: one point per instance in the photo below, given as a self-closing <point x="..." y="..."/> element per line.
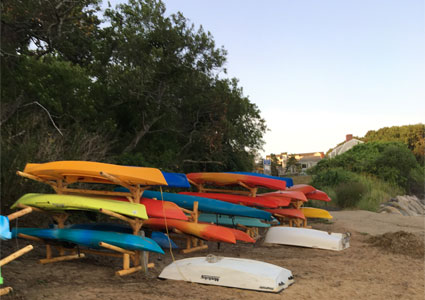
<point x="362" y="271"/>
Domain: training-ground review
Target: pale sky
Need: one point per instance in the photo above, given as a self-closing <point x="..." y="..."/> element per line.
<point x="320" y="69"/>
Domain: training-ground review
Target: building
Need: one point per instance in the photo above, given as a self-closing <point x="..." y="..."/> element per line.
<point x="349" y="143"/>
<point x="303" y="161"/>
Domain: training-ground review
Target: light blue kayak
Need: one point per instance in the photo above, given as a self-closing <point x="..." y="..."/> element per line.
<point x="5" y="233"/>
<point x="231" y="220"/>
<point x="160" y="238"/>
<point x="92" y="238"/>
<point x="210" y="205"/>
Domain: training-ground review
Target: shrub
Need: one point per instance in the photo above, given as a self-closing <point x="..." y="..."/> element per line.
<point x="348" y="194"/>
<point x="333" y="177"/>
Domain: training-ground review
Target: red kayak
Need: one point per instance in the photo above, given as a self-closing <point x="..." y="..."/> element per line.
<point x="288" y="212"/>
<point x="305" y="188"/>
<point x="159" y="208"/>
<point x="223" y="179"/>
<point x="318" y="195"/>
<point x="269" y="202"/>
<point x="204" y="231"/>
<point x="291" y="195"/>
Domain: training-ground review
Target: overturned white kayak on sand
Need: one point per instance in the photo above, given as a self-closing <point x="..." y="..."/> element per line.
<point x="305" y="237"/>
<point x="230" y="272"/>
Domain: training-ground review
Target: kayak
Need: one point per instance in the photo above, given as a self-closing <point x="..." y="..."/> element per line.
<point x="60" y="202"/>
<point x="268" y="202"/>
<point x="160" y="238"/>
<point x="209" y="205"/>
<point x="288" y="212"/>
<point x="224" y="179"/>
<point x="311" y="212"/>
<point x="231" y="220"/>
<point x="89" y="171"/>
<point x="92" y="238"/>
<point x="204" y="231"/>
<point x="289" y="181"/>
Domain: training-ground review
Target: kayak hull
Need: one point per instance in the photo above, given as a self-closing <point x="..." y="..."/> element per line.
<point x="230" y="272"/>
<point x="304" y="237"/>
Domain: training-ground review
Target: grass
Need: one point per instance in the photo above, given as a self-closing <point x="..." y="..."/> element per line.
<point x="376" y="192"/>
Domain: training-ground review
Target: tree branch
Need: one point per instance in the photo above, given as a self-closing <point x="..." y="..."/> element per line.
<point x="48" y="113"/>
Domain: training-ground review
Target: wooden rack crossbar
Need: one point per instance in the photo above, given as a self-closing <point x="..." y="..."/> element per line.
<point x="252" y="192"/>
<point x="61" y="187"/>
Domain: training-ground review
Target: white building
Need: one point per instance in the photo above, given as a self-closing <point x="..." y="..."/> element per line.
<point x="349" y="143"/>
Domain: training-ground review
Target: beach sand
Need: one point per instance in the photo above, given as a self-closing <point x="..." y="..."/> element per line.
<point x="373" y="267"/>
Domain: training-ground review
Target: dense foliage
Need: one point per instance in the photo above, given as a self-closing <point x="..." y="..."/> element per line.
<point x="140" y="88"/>
<point x="411" y="135"/>
<point x="380" y="163"/>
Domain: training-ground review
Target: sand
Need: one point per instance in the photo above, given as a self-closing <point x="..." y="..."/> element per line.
<point x="364" y="271"/>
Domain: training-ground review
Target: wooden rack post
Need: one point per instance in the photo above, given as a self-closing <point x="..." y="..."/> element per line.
<point x="193" y="244"/>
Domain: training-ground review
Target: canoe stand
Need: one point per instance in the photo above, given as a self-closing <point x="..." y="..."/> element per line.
<point x="61" y="186"/>
<point x="139" y="258"/>
<point x="292" y="221"/>
<point x="16" y="254"/>
<point x="252" y="192"/>
<point x="192" y="243"/>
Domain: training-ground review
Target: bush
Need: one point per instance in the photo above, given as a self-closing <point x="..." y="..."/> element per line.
<point x="333" y="177"/>
<point x="348" y="194"/>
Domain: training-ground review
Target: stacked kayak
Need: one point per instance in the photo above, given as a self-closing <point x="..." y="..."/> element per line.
<point x="92" y="238"/>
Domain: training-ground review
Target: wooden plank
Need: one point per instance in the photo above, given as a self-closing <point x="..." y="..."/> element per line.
<point x="30" y="237"/>
<point x="15" y="255"/>
<point x="5" y="291"/>
<point x="115" y="248"/>
<point x="61" y="258"/>
<point x="128" y="271"/>
<point x="36" y="178"/>
<point x="19" y="213"/>
<point x="236" y="192"/>
<point x="193" y="249"/>
<point x="95" y="192"/>
<point x="97" y="252"/>
<point x="126" y="261"/>
<point x="115" y="215"/>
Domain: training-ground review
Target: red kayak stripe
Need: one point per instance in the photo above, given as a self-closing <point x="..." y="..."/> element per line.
<point x="288" y="212"/>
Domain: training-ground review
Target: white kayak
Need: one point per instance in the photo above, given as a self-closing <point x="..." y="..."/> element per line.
<point x="230" y="272"/>
<point x="306" y="237"/>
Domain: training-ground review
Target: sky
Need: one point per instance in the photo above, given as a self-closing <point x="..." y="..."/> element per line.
<point x="319" y="70"/>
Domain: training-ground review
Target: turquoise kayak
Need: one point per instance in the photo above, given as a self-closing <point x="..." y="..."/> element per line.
<point x="92" y="238"/>
<point x="210" y="205"/>
<point x="159" y="237"/>
<point x="231" y="220"/>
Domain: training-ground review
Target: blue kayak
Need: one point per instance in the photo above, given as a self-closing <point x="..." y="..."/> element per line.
<point x="5" y="233"/>
<point x="231" y="220"/>
<point x="210" y="205"/>
<point x="176" y="180"/>
<point x="92" y="238"/>
<point x="289" y="181"/>
<point x="160" y="238"/>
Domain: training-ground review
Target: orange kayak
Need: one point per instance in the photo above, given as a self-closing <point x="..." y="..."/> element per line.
<point x="89" y="171"/>
<point x="269" y="202"/>
<point x="223" y="179"/>
<point x="288" y="212"/>
<point x="161" y="209"/>
<point x="242" y="236"/>
<point x="204" y="231"/>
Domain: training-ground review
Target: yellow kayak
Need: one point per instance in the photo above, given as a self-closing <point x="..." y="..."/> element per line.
<point x="89" y="171"/>
<point x="57" y="202"/>
<point x="311" y="212"/>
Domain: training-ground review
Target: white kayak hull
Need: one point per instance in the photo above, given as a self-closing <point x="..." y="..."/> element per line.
<point x="230" y="272"/>
<point x="305" y="237"/>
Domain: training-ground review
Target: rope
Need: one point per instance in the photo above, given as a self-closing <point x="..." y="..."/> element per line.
<point x="168" y="235"/>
